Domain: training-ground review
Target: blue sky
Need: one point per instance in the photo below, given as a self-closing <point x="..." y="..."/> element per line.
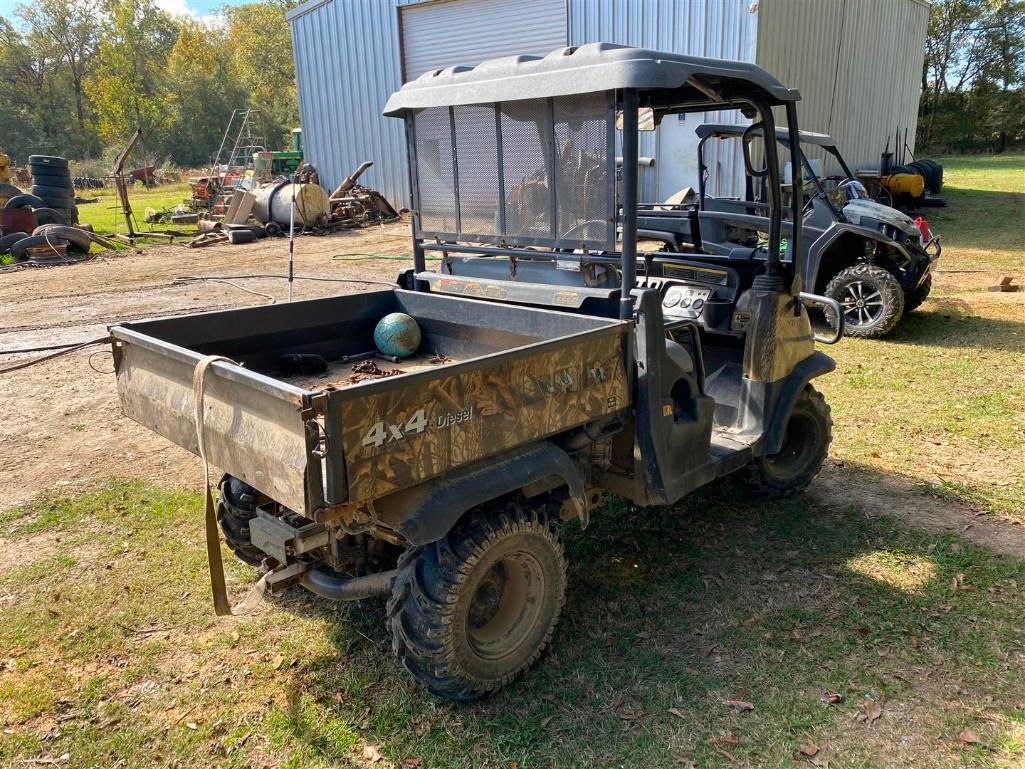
<point x="197" y="8"/>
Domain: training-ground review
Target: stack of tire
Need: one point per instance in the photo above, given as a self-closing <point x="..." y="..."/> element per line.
<point x="51" y="183"/>
<point x="76" y="243"/>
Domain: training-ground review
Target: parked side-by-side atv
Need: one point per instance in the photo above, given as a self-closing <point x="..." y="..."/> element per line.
<point x="544" y="363"/>
<point x="874" y="260"/>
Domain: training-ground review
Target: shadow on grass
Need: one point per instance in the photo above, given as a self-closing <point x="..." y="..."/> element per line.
<point x="949" y="323"/>
<point x="713" y="600"/>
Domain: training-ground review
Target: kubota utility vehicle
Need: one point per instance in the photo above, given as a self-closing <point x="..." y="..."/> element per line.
<point x="874" y="260"/>
<point x="443" y="480"/>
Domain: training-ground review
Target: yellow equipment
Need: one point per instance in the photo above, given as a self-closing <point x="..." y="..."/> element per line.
<point x="912" y="185"/>
<point x="5" y="169"/>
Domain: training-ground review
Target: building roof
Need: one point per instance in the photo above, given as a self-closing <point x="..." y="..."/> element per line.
<point x="592" y="68"/>
<point x="729" y="130"/>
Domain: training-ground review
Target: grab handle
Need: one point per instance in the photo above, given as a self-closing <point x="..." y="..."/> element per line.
<point x="832" y="304"/>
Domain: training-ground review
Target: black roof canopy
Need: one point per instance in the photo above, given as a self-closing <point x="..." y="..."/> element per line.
<point x="592" y="68"/>
<point x="729" y="130"/>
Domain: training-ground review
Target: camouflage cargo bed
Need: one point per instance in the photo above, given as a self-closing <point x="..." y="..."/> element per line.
<point x="488" y="378"/>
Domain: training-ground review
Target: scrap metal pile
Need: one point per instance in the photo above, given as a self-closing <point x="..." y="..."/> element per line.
<point x="353" y="205"/>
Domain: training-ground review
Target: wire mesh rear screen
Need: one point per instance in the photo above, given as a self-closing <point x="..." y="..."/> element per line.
<point x="531" y="172"/>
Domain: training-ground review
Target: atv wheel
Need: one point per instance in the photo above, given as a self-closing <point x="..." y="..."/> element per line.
<point x="236" y="507"/>
<point x="871" y="298"/>
<point x="913" y="299"/>
<point x="471" y="612"/>
<point x="799" y="459"/>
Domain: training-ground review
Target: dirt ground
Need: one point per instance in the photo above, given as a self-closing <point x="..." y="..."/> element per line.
<point x="62" y="425"/>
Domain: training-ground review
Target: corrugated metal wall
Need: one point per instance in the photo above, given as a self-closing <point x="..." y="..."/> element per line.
<point x="857" y="63"/>
<point x="724" y="29"/>
<point x="346" y="65"/>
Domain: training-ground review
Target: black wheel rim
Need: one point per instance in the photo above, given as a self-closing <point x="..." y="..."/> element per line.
<point x="862" y="303"/>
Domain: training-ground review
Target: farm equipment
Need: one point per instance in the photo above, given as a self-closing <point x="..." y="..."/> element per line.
<point x="874" y="260"/>
<point x="353" y="205"/>
<point x="554" y="365"/>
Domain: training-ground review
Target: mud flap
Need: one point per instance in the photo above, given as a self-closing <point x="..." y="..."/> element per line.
<point x="218" y="586"/>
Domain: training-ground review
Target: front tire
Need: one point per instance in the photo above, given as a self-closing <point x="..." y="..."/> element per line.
<point x="914" y="298"/>
<point x="871" y="298"/>
<point x="805" y="445"/>
<point x="473" y="611"/>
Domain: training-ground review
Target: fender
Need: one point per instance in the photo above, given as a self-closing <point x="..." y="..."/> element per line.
<point x="789" y="389"/>
<point x="810" y="267"/>
<point x="428" y="512"/>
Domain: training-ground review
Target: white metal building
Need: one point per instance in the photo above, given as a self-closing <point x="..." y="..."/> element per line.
<point x="857" y="64"/>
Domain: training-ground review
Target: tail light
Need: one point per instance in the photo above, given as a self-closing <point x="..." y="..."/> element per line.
<point x="923" y="228"/>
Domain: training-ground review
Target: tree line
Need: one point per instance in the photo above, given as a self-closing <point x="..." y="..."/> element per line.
<point x="973" y="81"/>
<point x="77" y="77"/>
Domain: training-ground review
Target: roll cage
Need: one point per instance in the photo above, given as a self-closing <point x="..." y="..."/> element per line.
<point x="516" y="158"/>
<point x="721" y="131"/>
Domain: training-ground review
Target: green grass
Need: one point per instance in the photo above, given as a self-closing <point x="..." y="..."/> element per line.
<point x="105" y="214"/>
<point x="941" y="400"/>
<point x="109" y="652"/>
<point x="672" y="612"/>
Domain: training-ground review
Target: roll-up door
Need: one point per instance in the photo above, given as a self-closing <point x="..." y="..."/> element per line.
<point x="449" y="32"/>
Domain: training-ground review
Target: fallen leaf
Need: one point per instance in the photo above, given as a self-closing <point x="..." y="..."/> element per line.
<point x="832" y="698"/>
<point x="411" y="763"/>
<point x="192" y="725"/>
<point x="371" y="753"/>
<point x="730" y="738"/>
<point x="677" y="712"/>
<point x="872" y="710"/>
<point x="809" y="749"/>
<point x="740" y="704"/>
<point x="968" y="737"/>
<point x="820" y="760"/>
<point x="545" y="721"/>
<point x="278" y="662"/>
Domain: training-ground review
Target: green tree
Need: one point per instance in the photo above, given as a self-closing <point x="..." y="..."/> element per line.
<point x="200" y="93"/>
<point x="127" y="84"/>
<point x="261" y="63"/>
<point x="64" y="31"/>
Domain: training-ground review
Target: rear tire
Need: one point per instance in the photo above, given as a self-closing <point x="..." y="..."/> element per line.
<point x="473" y="611"/>
<point x="871" y="298"/>
<point x="805" y="446"/>
<point x="236" y="507"/>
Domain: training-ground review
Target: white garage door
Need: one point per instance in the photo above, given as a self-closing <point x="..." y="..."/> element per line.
<point x="449" y="32"/>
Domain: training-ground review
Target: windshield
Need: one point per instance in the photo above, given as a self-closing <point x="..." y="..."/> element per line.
<point x="846" y="191"/>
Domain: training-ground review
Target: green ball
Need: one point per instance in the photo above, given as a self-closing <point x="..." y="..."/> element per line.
<point x="397" y="334"/>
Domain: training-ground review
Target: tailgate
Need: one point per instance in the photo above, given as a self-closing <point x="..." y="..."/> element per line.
<point x="255" y="425"/>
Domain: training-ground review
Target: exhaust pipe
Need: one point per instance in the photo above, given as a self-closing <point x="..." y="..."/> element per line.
<point x="347" y="588"/>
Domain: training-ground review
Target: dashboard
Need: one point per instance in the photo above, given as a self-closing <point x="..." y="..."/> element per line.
<point x="695" y="292"/>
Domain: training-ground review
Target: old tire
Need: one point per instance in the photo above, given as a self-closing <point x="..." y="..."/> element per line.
<point x="471" y="612"/>
<point x="236" y="507"/>
<point x="809" y="432"/>
<point x="20" y="249"/>
<point x="55" y="196"/>
<point x="49" y="216"/>
<point x="73" y="235"/>
<point x="9" y="240"/>
<point x="47" y="161"/>
<point x="871" y="298"/>
<point x="24" y="201"/>
<point x="913" y="299"/>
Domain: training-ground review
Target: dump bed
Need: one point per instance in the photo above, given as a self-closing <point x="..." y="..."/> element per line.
<point x="487" y="378"/>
